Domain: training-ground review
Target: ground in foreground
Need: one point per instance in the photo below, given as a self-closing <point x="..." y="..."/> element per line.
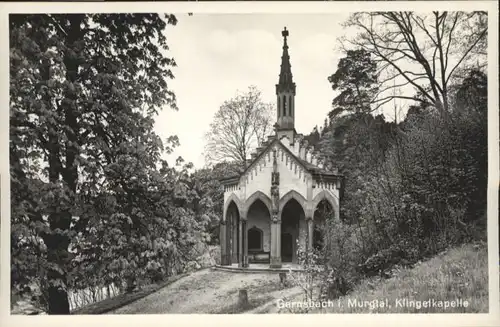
<point x="211" y="291"/>
<point x="459" y="275"/>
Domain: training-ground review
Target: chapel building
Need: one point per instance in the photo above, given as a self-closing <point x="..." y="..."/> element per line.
<point x="273" y="206"/>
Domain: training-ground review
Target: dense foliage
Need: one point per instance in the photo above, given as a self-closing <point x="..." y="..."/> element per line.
<point x="207" y="182"/>
<point x="93" y="203"/>
<point x="413" y="187"/>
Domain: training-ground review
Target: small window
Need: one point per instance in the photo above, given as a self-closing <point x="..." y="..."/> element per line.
<point x="279" y="106"/>
<point x="284" y="105"/>
<point x="290" y="105"/>
<point x="254" y="239"/>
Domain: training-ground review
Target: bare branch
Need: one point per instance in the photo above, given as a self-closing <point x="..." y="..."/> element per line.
<point x="400" y="38"/>
<point x="450" y="33"/>
<point x="467" y="52"/>
<point x="239" y="126"/>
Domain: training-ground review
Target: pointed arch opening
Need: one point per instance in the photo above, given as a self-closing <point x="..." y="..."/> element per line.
<point x="233" y="198"/>
<point x="292" y="222"/>
<point x="232" y="231"/>
<point x="293" y="195"/>
<point x="323" y="213"/>
<point x="259" y="232"/>
<point x="327" y="196"/>
<point x="258" y="196"/>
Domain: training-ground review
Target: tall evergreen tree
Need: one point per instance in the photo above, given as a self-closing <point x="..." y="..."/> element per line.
<point x="355" y="80"/>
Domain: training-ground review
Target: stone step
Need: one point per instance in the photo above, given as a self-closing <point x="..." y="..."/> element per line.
<point x="254" y="269"/>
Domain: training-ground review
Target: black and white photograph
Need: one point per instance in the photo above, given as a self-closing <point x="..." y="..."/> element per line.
<point x="191" y="162"/>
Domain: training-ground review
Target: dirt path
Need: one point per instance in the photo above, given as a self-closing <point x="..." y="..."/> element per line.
<point x="208" y="291"/>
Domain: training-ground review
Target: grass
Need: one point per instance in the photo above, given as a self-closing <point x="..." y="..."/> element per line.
<point x="260" y="293"/>
<point x="208" y="291"/>
<point x="123" y="299"/>
<point x="252" y="304"/>
<point x="460" y="274"/>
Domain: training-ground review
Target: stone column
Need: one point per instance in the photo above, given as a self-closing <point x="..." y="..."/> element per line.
<point x="310" y="233"/>
<point x="228" y="236"/>
<point x="234" y="241"/>
<point x="245" y="243"/>
<point x="275" y="243"/>
<point x="240" y="243"/>
<point x="223" y="244"/>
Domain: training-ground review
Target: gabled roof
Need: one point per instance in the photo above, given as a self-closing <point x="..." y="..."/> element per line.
<point x="314" y="170"/>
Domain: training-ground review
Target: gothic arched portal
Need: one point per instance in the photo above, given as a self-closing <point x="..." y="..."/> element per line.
<point x="322" y="213"/>
<point x="292" y="221"/>
<point x="259" y="229"/>
<point x="232" y="232"/>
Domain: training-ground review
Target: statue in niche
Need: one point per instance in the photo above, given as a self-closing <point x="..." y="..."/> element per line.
<point x="275" y="182"/>
<point x="275" y="179"/>
<point x="275" y="191"/>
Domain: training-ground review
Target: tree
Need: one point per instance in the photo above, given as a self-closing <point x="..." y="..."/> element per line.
<point x="355" y="79"/>
<point x="240" y="125"/>
<point x="415" y="187"/>
<point x="314" y="137"/>
<point x="207" y="183"/>
<point x="353" y="133"/>
<point x="83" y="93"/>
<point x="424" y="52"/>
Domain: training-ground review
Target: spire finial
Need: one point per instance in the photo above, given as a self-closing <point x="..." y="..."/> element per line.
<point x="284" y="33"/>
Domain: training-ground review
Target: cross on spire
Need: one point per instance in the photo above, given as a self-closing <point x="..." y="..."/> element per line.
<point x="284" y="33"/>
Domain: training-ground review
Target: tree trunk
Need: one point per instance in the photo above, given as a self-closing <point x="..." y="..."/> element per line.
<point x="57" y="252"/>
<point x="60" y="218"/>
<point x="58" y="301"/>
<point x="131" y="285"/>
<point x="243" y="299"/>
<point x="282" y="278"/>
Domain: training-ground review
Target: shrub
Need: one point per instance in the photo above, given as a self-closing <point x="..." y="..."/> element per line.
<point x="342" y="254"/>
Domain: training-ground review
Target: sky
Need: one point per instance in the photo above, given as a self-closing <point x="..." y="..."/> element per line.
<point x="220" y="54"/>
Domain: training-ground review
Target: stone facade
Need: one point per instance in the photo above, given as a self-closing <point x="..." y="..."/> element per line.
<point x="272" y="204"/>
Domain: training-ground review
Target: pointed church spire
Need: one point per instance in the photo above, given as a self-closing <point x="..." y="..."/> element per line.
<point x="285" y="93"/>
<point x="286" y="78"/>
